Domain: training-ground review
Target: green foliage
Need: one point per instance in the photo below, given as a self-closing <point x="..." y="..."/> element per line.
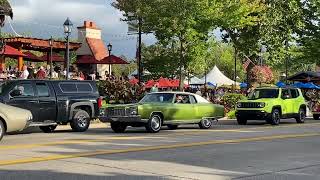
<point x="120" y="69"/>
<point x="231" y="114"/>
<point x="230" y="100"/>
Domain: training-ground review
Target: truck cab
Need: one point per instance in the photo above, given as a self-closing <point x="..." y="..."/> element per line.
<point x="54" y="102"/>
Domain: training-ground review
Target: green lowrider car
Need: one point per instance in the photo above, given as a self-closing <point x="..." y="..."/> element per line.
<point x="165" y="108"/>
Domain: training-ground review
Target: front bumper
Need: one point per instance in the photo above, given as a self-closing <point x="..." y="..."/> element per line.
<point x="126" y="119"/>
<point x="253" y="114"/>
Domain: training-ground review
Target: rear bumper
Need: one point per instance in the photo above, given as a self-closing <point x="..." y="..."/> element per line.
<point x="253" y="115"/>
<point x="126" y="119"/>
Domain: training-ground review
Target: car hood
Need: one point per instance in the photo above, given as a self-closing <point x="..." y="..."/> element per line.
<point x="123" y="105"/>
<point x="258" y="100"/>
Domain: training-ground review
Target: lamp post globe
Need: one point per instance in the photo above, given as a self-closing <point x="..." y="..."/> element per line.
<point x="109" y="49"/>
<point x="67" y="25"/>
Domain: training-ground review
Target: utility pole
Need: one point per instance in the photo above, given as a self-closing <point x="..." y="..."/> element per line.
<point x="287" y="58"/>
<point x="235" y="68"/>
<point x="140" y="70"/>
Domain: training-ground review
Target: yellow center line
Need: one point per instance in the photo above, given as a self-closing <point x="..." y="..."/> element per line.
<point x="151" y="148"/>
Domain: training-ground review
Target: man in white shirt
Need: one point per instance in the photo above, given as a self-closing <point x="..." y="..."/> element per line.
<point x="25" y="73"/>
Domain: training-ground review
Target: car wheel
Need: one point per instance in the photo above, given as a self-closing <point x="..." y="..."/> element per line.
<point x="172" y="127"/>
<point x="80" y="121"/>
<point x="154" y="124"/>
<point x="242" y="121"/>
<point x="205" y="124"/>
<point x="118" y="127"/>
<point x="316" y="116"/>
<point x="48" y="129"/>
<point x="275" y="117"/>
<point x="2" y="130"/>
<point x="301" y="116"/>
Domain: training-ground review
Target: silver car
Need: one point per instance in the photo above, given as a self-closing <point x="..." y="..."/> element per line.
<point x="13" y="119"/>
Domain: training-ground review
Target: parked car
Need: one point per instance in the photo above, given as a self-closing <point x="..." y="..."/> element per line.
<point x="272" y="104"/>
<point x="165" y="108"/>
<point x="13" y="119"/>
<point x="54" y="102"/>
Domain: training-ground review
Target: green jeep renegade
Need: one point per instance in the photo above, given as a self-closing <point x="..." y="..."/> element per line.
<point x="272" y="104"/>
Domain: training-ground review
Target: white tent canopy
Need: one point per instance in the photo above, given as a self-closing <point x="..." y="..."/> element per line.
<point x="195" y="80"/>
<point x="217" y="77"/>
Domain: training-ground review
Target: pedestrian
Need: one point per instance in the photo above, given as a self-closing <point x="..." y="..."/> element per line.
<point x="25" y="73"/>
<point x="41" y="74"/>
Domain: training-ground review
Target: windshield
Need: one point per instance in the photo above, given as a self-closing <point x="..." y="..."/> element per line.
<point x="263" y="93"/>
<point x="158" y="98"/>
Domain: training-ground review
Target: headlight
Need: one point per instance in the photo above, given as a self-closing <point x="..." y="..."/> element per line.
<point x="238" y="105"/>
<point x="261" y="105"/>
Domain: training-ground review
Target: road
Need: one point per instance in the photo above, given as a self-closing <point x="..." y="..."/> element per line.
<point x="227" y="151"/>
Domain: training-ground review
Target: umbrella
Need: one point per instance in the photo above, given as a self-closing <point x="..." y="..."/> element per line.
<point x="300" y="85"/>
<point x="243" y="85"/>
<point x="87" y="59"/>
<point x="150" y="83"/>
<point x="165" y="83"/>
<point x="133" y="81"/>
<point x="211" y="84"/>
<point x="279" y="84"/>
<point x="311" y="86"/>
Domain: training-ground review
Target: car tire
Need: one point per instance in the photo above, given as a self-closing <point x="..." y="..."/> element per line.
<point x="316" y="116"/>
<point x="80" y="121"/>
<point x="242" y="121"/>
<point x="301" y="116"/>
<point x="154" y="124"/>
<point x="48" y="129"/>
<point x="2" y="130"/>
<point x="172" y="127"/>
<point x="118" y="127"/>
<point x="205" y="124"/>
<point x="275" y="117"/>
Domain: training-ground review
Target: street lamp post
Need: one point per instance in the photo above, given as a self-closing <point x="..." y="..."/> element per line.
<point x="51" y="44"/>
<point x="67" y="30"/>
<point x="110" y="49"/>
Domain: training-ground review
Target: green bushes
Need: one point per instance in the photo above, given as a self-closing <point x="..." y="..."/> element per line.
<point x="230" y="101"/>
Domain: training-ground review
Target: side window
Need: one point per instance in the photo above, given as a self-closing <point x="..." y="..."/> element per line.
<point x="285" y="94"/>
<point x="84" y="87"/>
<point x="193" y="100"/>
<point x="182" y="99"/>
<point x="43" y="90"/>
<point x="68" y="87"/>
<point x="294" y="93"/>
<point x="26" y="90"/>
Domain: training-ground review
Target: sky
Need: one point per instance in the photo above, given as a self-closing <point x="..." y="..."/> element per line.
<point x="44" y="18"/>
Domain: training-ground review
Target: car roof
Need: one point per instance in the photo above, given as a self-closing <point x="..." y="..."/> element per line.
<point x="173" y="92"/>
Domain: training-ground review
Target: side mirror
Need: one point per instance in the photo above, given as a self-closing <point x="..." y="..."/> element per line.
<point x="16" y="93"/>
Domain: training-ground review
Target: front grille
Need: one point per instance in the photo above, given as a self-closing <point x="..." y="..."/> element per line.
<point x="113" y="112"/>
<point x="250" y="105"/>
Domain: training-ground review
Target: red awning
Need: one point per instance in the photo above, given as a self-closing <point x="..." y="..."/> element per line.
<point x="32" y="57"/>
<point x="12" y="52"/>
<point x="87" y="59"/>
<point x="55" y="57"/>
<point x="165" y="83"/>
<point x="150" y="83"/>
<point x="133" y="81"/>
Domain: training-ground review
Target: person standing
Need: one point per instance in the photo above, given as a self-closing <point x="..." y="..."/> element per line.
<point x="41" y="74"/>
<point x="25" y="73"/>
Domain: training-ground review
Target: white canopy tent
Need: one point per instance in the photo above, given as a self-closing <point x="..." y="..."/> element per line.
<point x="195" y="80"/>
<point x="217" y="77"/>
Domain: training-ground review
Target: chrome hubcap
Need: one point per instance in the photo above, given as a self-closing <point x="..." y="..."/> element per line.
<point x="155" y="123"/>
<point x="206" y="122"/>
<point x="1" y="130"/>
<point x="82" y="121"/>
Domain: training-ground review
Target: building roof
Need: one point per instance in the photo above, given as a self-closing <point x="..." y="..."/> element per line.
<point x="89" y="25"/>
<point x="308" y="76"/>
<point x="97" y="47"/>
<point x="42" y="45"/>
<point x="87" y="59"/>
<point x="32" y="57"/>
<point x="12" y="52"/>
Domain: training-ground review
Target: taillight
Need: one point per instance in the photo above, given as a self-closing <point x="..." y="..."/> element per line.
<point x="100" y="103"/>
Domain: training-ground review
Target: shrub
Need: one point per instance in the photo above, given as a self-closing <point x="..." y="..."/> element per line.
<point x="230" y="101"/>
<point x="231" y="114"/>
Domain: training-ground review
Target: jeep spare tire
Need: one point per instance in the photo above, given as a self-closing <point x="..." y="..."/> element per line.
<point x="80" y="121"/>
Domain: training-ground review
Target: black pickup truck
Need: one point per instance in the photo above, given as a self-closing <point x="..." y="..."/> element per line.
<point x="54" y="103"/>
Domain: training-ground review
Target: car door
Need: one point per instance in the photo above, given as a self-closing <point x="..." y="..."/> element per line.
<point x="184" y="110"/>
<point x="47" y="101"/>
<point x="295" y="101"/>
<point x="286" y="102"/>
<point x="26" y="99"/>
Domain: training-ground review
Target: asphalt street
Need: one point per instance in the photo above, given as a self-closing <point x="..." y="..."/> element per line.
<point x="227" y="151"/>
